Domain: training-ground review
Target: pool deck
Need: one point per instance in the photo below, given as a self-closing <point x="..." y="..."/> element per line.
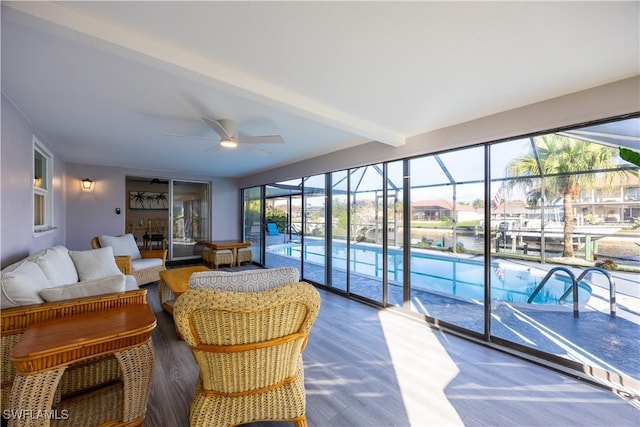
<point x="595" y="338"/>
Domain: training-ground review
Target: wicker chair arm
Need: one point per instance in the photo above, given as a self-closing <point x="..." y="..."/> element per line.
<point x="16" y="319"/>
<point x="124" y="264"/>
<point x="155" y="253"/>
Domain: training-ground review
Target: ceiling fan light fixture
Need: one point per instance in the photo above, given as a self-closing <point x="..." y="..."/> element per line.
<point x="227" y="143"/>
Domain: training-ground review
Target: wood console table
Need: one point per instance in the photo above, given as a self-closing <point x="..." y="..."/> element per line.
<point x="46" y="349"/>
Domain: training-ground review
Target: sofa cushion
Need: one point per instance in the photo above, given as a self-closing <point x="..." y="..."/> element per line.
<point x="22" y="285"/>
<point x="95" y="263"/>
<point x="107" y="285"/>
<point x="245" y="281"/>
<point x="130" y="283"/>
<point x="145" y="263"/>
<point x="57" y="265"/>
<point x="122" y="245"/>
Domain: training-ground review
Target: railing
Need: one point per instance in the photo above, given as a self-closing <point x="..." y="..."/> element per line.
<point x="612" y="287"/>
<point x="574" y="287"/>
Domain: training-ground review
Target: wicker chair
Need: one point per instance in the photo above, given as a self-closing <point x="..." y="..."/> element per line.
<point x="94" y="387"/>
<point x="248" y="346"/>
<point x="143" y="275"/>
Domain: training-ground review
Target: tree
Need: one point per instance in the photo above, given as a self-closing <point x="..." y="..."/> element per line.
<point x="564" y="163"/>
<point x="139" y="198"/>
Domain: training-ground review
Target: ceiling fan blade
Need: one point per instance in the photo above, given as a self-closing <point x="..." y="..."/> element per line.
<point x="255" y="151"/>
<point x="177" y="135"/>
<point x="218" y="128"/>
<point x="213" y="149"/>
<point x="264" y="139"/>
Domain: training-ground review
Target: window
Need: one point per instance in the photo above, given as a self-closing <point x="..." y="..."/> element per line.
<point x="42" y="187"/>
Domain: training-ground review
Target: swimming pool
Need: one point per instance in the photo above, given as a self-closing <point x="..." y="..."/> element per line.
<point x="448" y="274"/>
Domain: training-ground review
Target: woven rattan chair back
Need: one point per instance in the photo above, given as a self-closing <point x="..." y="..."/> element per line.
<point x="248" y="346"/>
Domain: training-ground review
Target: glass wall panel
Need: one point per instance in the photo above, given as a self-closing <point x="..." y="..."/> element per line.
<point x="560" y="227"/>
<point x="447" y="267"/>
<point x="283" y="218"/>
<point x="339" y="229"/>
<point x="395" y="228"/>
<point x="365" y="248"/>
<point x="560" y="216"/>
<point x="190" y="219"/>
<point x="313" y="241"/>
<point x="253" y="208"/>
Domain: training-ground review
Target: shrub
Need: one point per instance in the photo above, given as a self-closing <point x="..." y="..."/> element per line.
<point x="607" y="264"/>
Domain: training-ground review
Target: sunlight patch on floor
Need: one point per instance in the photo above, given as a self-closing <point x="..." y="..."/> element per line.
<point x="420" y="387"/>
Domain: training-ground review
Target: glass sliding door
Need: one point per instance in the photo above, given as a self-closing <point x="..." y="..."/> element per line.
<point x="395" y="230"/>
<point x="561" y="233"/>
<point x="339" y="229"/>
<point x="365" y="267"/>
<point x="283" y="223"/>
<point x="190" y="219"/>
<point x="253" y="229"/>
<point x="447" y="267"/>
<point x="314" y="229"/>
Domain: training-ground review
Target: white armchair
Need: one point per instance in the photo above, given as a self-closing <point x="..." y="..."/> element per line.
<point x="144" y="265"/>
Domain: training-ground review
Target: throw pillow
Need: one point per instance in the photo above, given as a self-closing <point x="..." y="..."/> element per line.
<point x="95" y="263"/>
<point x="91" y="288"/>
<point x="57" y="265"/>
<point x="22" y="285"/>
<point x="245" y="281"/>
<point x="122" y="245"/>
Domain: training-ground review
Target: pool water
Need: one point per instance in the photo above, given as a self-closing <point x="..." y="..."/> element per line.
<point x="445" y="274"/>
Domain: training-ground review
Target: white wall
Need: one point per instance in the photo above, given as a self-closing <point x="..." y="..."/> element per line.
<point x="91" y="214"/>
<point x="16" y="196"/>
<point x="597" y="103"/>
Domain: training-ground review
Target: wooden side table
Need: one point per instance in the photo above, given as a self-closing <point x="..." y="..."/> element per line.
<point x="175" y="282"/>
<point x="46" y="349"/>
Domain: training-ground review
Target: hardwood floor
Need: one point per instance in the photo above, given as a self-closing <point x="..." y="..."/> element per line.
<point x="370" y="367"/>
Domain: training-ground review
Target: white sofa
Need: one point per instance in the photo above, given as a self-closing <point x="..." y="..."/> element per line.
<point x="55" y="283"/>
<point x="57" y="274"/>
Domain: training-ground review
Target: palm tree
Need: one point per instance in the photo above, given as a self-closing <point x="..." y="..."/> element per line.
<point x="139" y="197"/>
<point x="564" y="162"/>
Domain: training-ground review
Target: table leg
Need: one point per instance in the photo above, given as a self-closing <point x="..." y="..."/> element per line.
<point x="32" y="397"/>
<point x="166" y="295"/>
<point x="137" y="374"/>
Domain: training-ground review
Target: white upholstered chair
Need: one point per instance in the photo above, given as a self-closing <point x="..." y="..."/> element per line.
<point x="144" y="265"/>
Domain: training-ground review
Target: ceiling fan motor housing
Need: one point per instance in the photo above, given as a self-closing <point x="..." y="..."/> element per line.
<point x="230" y="127"/>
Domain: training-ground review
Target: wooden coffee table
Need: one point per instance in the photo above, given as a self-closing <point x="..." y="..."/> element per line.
<point x="175" y="282"/>
<point x="46" y="349"/>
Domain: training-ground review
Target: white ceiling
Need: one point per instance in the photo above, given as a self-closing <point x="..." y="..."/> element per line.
<point x="104" y="82"/>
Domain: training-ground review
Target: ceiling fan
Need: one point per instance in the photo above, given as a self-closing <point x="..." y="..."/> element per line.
<point x="227" y="131"/>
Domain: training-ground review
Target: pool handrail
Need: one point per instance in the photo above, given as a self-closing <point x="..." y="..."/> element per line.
<point x="612" y="288"/>
<point x="574" y="287"/>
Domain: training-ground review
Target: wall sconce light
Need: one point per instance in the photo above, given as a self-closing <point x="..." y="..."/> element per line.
<point x="87" y="184"/>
